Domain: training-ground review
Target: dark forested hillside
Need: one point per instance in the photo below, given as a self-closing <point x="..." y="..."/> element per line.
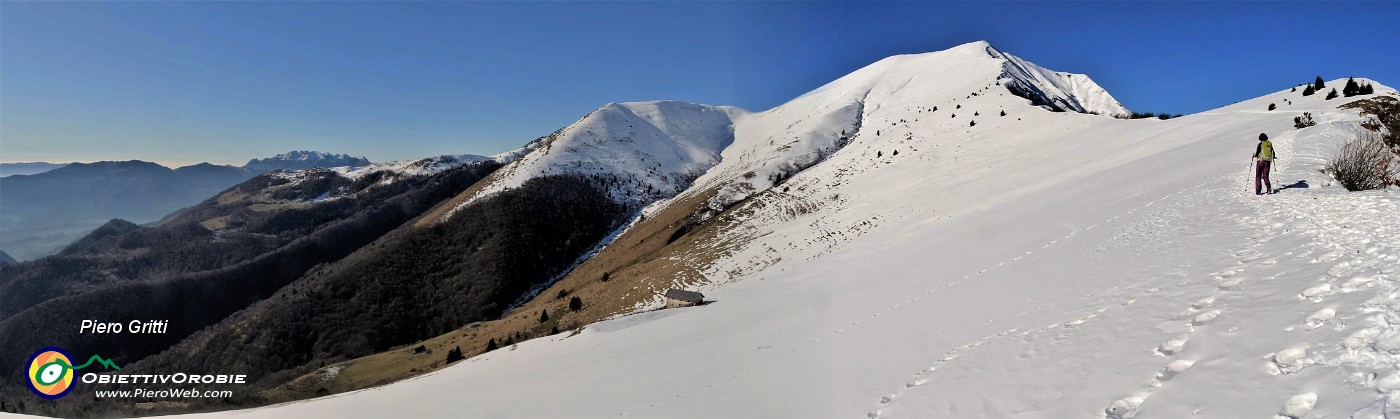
<point x="248" y="220"/>
<point x="413" y="283"/>
<point x="194" y="270"/>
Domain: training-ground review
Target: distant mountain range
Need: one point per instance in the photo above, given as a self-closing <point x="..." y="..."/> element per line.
<point x="44" y="211"/>
<point x="292" y="160"/>
<point x="31" y="168"/>
<point x="204" y="262"/>
<point x="297" y="160"/>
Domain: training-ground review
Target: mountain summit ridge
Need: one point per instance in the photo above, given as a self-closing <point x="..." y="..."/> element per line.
<point x="304" y="159"/>
<point x="657" y="148"/>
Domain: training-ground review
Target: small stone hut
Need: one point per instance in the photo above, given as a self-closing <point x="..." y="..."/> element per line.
<point x="682" y="298"/>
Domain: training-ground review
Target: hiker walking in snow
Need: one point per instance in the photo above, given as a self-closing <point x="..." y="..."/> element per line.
<point x="1264" y="153"/>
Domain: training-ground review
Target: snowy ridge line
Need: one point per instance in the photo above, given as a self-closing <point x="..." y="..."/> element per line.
<point x="1070" y="91"/>
<point x="642" y="151"/>
<point x="410" y="167"/>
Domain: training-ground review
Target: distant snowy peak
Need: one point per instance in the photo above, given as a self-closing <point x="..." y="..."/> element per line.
<point x="646" y="150"/>
<point x="1057" y="90"/>
<point x="297" y="160"/>
<point x="411" y="167"/>
<point x="372" y="175"/>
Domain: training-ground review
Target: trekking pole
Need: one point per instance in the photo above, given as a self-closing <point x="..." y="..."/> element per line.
<point x="1250" y="175"/>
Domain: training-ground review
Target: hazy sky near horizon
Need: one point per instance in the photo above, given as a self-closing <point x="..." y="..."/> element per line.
<point x="186" y="82"/>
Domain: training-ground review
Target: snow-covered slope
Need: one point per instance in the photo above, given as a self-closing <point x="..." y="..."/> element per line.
<point x="645" y="150"/>
<point x="1064" y="91"/>
<point x="884" y="100"/>
<point x="1035" y="264"/>
<point x="658" y="148"/>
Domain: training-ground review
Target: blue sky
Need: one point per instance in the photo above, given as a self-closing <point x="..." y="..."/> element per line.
<point x="184" y="82"/>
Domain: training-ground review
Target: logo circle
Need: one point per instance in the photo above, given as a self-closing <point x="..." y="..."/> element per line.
<point x="51" y="372"/>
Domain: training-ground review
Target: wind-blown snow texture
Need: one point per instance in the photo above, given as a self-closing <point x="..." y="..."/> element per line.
<point x="1037" y="264"/>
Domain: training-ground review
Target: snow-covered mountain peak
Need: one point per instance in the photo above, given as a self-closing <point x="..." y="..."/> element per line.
<point x="655" y="149"/>
<point x="303" y="159"/>
<point x="903" y="96"/>
<point x="977" y="47"/>
<point x="1058" y="90"/>
<point x="646" y="150"/>
<point x="410" y="167"/>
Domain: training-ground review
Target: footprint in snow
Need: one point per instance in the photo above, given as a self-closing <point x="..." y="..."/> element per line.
<point x="1205" y="317"/>
<point x="1320" y="318"/>
<point x="1174" y="368"/>
<point x="1228" y="273"/>
<point x="1229" y="284"/>
<point x="1388" y="385"/>
<point x="1358" y="283"/>
<point x="1289" y="360"/>
<point x="1171" y="347"/>
<point x="1298" y="406"/>
<point x="1317" y="293"/>
<point x="1123" y="408"/>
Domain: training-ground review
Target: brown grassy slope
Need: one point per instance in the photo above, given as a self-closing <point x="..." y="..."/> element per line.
<point x="639" y="264"/>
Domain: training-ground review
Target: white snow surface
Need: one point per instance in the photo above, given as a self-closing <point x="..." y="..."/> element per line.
<point x="1038" y="264"/>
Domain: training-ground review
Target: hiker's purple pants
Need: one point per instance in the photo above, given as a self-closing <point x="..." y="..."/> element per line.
<point x="1261" y="173"/>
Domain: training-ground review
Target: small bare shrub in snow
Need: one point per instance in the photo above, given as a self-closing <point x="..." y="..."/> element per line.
<point x="1364" y="163"/>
